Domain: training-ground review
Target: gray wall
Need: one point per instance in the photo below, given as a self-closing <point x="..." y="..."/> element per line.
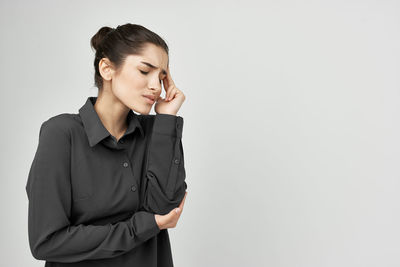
<point x="291" y="132"/>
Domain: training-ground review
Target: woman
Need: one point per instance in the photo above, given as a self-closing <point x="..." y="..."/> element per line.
<point x="106" y="183"/>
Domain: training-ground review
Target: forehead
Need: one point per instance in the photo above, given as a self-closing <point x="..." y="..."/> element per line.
<point x="152" y="54"/>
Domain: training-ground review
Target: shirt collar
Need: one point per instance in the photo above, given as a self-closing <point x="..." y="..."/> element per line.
<point x="95" y="129"/>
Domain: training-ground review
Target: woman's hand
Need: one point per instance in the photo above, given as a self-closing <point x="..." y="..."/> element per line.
<point x="170" y="219"/>
<point x="173" y="97"/>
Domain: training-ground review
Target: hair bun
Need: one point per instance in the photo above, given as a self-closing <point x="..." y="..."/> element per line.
<point x="99" y="36"/>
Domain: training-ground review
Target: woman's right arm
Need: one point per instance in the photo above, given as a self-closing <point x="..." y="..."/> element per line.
<point x="51" y="235"/>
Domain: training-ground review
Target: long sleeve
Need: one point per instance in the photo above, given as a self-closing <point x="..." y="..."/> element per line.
<point x="165" y="171"/>
<point x="51" y="235"/>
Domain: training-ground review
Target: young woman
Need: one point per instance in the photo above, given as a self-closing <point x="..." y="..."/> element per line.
<point x="106" y="183"/>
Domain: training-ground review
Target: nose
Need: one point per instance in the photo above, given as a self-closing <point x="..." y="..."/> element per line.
<point x="155" y="88"/>
<point x="155" y="92"/>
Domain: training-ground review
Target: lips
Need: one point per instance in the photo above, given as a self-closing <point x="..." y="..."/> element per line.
<point x="150" y="98"/>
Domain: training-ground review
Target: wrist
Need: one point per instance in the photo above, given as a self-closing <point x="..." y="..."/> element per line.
<point x="167" y="113"/>
<point x="157" y="218"/>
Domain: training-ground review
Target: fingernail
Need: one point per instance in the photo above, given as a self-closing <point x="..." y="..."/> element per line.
<point x="177" y="210"/>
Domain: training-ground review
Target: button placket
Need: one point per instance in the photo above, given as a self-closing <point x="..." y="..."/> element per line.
<point x="130" y="173"/>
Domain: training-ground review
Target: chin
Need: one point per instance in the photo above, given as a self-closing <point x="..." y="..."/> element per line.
<point x="144" y="110"/>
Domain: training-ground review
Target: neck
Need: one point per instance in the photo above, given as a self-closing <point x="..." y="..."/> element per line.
<point x="112" y="113"/>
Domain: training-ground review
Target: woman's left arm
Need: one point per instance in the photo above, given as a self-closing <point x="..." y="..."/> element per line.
<point x="165" y="174"/>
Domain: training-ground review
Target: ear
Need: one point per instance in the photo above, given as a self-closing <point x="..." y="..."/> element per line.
<point x="106" y="68"/>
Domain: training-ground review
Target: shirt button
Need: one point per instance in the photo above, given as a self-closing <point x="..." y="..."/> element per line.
<point x="125" y="164"/>
<point x="133" y="188"/>
<point x="176" y="161"/>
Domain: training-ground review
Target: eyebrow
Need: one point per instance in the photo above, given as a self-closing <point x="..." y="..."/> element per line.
<point x="154" y="67"/>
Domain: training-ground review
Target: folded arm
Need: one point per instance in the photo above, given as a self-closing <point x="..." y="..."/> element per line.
<point x="165" y="175"/>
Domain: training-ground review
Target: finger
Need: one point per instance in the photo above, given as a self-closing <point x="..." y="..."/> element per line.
<point x="169" y="77"/>
<point x="174" y="212"/>
<point x="170" y="92"/>
<point x="166" y="84"/>
<point x="183" y="202"/>
<point x="173" y="93"/>
<point x="167" y="94"/>
<point x="180" y="208"/>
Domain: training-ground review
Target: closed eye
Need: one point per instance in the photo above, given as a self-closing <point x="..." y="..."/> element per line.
<point x="146" y="72"/>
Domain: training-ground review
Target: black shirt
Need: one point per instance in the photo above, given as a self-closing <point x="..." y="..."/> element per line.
<point x="92" y="199"/>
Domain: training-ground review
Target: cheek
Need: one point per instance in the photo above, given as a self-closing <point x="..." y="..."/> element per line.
<point x="136" y="81"/>
<point x="129" y="84"/>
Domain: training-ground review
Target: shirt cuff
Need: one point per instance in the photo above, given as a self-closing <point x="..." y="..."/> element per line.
<point x="145" y="224"/>
<point x="168" y="124"/>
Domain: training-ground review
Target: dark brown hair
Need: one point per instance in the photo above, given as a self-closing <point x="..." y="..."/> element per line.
<point x="116" y="44"/>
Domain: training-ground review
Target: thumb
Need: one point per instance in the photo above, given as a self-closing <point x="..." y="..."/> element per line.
<point x="173" y="212"/>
